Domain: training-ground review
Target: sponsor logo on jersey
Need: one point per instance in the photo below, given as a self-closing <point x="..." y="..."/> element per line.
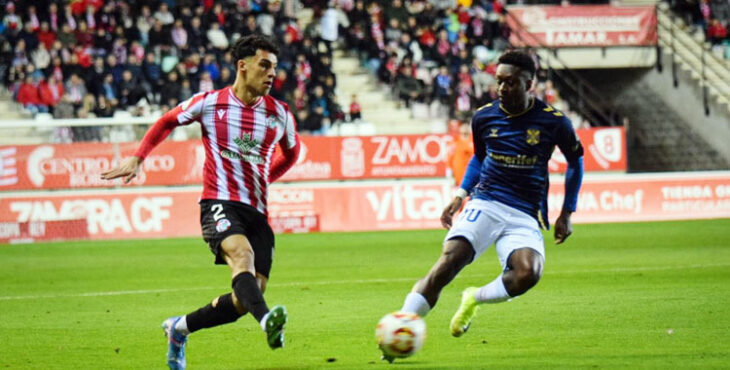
<point x="222" y="225"/>
<point x="514" y="161"/>
<point x="252" y="158"/>
<point x="246" y="142"/>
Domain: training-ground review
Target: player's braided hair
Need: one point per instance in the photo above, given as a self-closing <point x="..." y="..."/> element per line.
<point x="247" y="46"/>
<point x="519" y="59"/>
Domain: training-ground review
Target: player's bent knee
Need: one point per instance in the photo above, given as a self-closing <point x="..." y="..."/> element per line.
<point x="458" y="252"/>
<point x="522" y="279"/>
<point x="527" y="278"/>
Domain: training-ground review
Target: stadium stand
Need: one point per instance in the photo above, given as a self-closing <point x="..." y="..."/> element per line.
<point x="93" y="59"/>
<point x="438" y="56"/>
<point x="97" y="59"/>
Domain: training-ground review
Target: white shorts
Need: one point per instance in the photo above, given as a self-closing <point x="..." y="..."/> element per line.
<point x="483" y="222"/>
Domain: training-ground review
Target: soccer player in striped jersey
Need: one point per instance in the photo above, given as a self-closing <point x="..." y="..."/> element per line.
<point x="241" y="126"/>
<point x="514" y="138"/>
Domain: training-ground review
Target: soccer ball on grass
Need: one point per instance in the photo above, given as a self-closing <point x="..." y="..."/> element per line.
<point x="400" y="335"/>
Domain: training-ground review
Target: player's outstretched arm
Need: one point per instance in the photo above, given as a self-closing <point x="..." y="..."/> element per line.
<point x="129" y="167"/>
<point x="128" y="170"/>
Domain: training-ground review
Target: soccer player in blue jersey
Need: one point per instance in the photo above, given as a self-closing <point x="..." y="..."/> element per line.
<point x="507" y="178"/>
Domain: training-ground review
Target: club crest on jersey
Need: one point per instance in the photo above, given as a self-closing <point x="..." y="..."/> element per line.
<point x="272" y="121"/>
<point x="222" y="225"/>
<point x="533" y="136"/>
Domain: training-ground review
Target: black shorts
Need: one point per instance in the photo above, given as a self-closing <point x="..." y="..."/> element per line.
<point x="220" y="219"/>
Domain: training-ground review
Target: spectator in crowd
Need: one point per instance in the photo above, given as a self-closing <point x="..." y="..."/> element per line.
<point x="226" y="78"/>
<point x="355" y="109"/>
<point x="108" y="89"/>
<point x="216" y="37"/>
<point x="29" y="96"/>
<point x="312" y="122"/>
<point x="409" y="89"/>
<point x="163" y="15"/>
<point x="206" y="82"/>
<point x="179" y="35"/>
<point x="337" y="115"/>
<point x="716" y="32"/>
<point x="51" y="92"/>
<point x="282" y="85"/>
<point x="12" y="22"/>
<point x="319" y="100"/>
<point x="76" y="90"/>
<point x="170" y="95"/>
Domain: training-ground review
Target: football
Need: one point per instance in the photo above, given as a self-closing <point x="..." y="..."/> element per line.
<point x="400" y="334"/>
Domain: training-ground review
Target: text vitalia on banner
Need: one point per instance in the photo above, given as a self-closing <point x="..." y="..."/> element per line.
<point x="358" y="207"/>
<point x="582" y="25"/>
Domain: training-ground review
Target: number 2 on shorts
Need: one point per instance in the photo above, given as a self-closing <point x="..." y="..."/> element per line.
<point x="217" y="210"/>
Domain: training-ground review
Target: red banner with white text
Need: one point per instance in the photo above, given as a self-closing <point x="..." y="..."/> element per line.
<point x="79" y="165"/>
<point x="582" y="25"/>
<point x="363" y="206"/>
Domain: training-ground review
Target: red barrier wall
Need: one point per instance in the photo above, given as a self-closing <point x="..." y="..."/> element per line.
<point x="374" y="205"/>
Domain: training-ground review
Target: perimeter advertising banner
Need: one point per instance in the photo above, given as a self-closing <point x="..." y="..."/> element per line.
<point x="79" y="165"/>
<point x="364" y="206"/>
<point x="582" y="25"/>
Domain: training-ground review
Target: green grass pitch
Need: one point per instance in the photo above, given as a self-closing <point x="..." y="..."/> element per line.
<point x="645" y="295"/>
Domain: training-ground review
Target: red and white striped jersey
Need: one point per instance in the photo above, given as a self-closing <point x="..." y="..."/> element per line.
<point x="239" y="143"/>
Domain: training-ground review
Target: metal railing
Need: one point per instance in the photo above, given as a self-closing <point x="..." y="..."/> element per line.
<point x="699" y="57"/>
<point x="582" y="97"/>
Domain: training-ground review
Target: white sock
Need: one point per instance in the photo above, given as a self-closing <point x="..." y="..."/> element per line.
<point x="493" y="292"/>
<point x="263" y="321"/>
<point x="181" y="327"/>
<point x="416" y="303"/>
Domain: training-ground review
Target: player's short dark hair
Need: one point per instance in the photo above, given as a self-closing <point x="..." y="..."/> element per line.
<point x="519" y="59"/>
<point x="247" y="46"/>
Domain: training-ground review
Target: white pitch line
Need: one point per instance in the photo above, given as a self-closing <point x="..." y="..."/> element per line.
<point x="341" y="282"/>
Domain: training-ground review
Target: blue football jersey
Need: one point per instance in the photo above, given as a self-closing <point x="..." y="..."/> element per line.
<point x="514" y="150"/>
